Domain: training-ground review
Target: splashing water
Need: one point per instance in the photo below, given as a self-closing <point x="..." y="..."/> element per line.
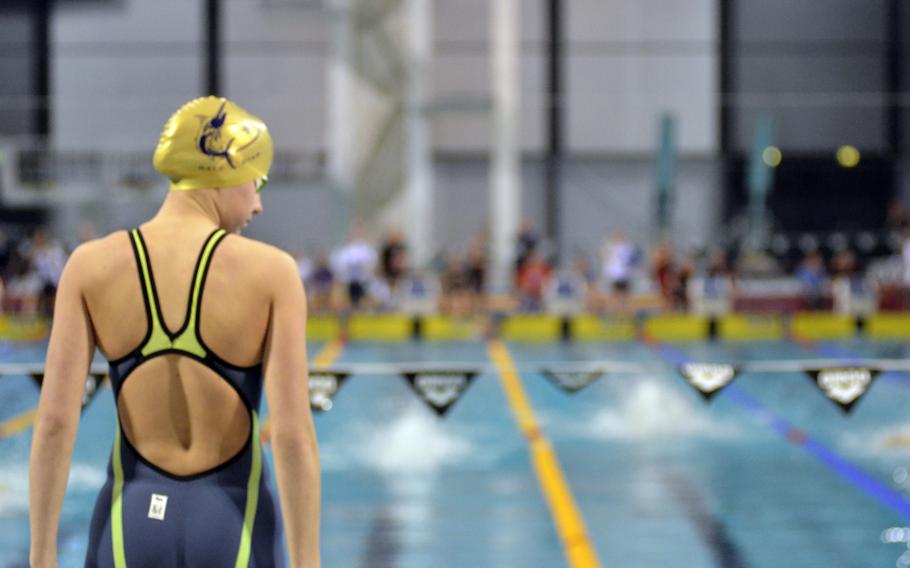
<point x="415" y="443"/>
<point x="651" y="411"/>
<point x="83" y="478"/>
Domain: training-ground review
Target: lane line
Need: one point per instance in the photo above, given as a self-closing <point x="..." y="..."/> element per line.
<point x="18" y="424"/>
<point x="849" y="472"/>
<point x="710" y="527"/>
<point x="329" y="353"/>
<point x="569" y="523"/>
<point x="22" y="422"/>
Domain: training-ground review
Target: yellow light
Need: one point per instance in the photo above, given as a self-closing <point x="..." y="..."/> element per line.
<point x="847" y="156"/>
<point x="772" y="156"/>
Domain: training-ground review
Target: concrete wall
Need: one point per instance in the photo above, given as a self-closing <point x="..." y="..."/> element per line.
<point x="16" y="74"/>
<point x="118" y="71"/>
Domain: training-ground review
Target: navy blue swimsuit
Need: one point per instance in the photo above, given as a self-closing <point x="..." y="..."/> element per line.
<point x="148" y="517"/>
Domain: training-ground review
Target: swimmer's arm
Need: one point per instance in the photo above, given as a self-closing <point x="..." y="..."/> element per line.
<point x="68" y="358"/>
<point x="292" y="432"/>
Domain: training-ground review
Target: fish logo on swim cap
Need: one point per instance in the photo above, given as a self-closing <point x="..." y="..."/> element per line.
<point x="211" y="142"/>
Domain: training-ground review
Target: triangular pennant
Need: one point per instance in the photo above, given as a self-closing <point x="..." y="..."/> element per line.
<point x="323" y="387"/>
<point x="91" y="388"/>
<point x="572" y="381"/>
<point x="843" y="385"/>
<point x="439" y="389"/>
<point x="708" y="378"/>
<point x="92" y="382"/>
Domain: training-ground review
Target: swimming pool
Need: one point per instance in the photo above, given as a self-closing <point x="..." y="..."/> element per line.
<point x="769" y="474"/>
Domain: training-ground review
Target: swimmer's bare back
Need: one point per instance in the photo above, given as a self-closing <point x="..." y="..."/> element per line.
<point x="176" y="412"/>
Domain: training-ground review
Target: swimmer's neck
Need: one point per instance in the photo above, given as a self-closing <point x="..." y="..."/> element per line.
<point x="195" y="208"/>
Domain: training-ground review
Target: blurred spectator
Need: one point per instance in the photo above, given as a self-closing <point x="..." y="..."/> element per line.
<point x="320" y="285"/>
<point x="566" y="292"/>
<point x="392" y="258"/>
<point x="897" y="218"/>
<point x="23" y="290"/>
<point x="418" y="293"/>
<point x="850" y="289"/>
<point x="618" y="257"/>
<point x="713" y="294"/>
<point x="48" y="258"/>
<point x="455" y="289"/>
<point x="663" y="273"/>
<point x="812" y="277"/>
<point x="526" y="244"/>
<point x="476" y="271"/>
<point x="379" y="293"/>
<point x="682" y="281"/>
<point x="532" y="281"/>
<point x="353" y="265"/>
<point x="905" y="254"/>
<point x="6" y="250"/>
<point x="304" y="267"/>
<point x="583" y="269"/>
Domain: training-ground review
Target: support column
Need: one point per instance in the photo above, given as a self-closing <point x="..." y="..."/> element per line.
<point x="505" y="205"/>
<point x="212" y="33"/>
<point x="419" y="184"/>
<point x="342" y="118"/>
<point x="41" y="89"/>
<point x="554" y="110"/>
<point x="893" y="78"/>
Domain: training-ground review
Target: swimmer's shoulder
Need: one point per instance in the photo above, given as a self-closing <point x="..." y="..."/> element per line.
<point x="272" y="266"/>
<point x="99" y="259"/>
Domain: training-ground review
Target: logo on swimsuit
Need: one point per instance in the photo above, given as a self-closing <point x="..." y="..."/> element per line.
<point x="572" y="381"/>
<point x="323" y="387"/>
<point x="157" y="507"/>
<point x="439" y="389"/>
<point x="708" y="378"/>
<point x="845" y="386"/>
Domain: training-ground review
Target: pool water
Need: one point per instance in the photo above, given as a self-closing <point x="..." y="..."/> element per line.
<point x="769" y="474"/>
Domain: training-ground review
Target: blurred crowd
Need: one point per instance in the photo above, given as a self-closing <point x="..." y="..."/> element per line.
<point x="621" y="277"/>
<point x="30" y="270"/>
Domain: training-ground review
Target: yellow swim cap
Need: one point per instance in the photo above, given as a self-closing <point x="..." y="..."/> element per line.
<point x="212" y="142"/>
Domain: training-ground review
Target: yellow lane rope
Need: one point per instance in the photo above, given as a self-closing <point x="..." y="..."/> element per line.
<point x="569" y="523"/>
<point x="18" y="424"/>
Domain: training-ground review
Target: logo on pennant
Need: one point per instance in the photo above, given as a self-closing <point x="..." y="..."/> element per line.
<point x="91" y="385"/>
<point x="439" y="389"/>
<point x="323" y="387"/>
<point x="572" y="381"/>
<point x="708" y="378"/>
<point x="845" y="386"/>
<point x="91" y="388"/>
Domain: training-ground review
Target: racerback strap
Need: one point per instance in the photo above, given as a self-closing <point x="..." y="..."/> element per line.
<point x="159" y="338"/>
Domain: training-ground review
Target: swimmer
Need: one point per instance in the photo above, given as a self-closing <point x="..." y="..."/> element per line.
<point x="195" y="321"/>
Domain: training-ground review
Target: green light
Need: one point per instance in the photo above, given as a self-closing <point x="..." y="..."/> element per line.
<point x="848" y="156"/>
<point x="772" y="156"/>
